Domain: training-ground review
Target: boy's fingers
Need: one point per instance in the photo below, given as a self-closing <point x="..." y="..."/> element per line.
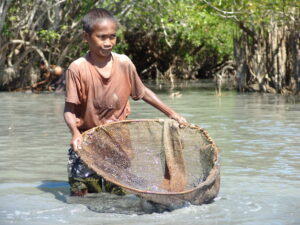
<point x="76" y="143"/>
<point x="75" y="146"/>
<point x="181" y="120"/>
<point x="79" y="141"/>
<point x="183" y="123"/>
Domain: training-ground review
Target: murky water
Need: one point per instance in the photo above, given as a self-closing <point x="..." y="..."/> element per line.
<point x="259" y="138"/>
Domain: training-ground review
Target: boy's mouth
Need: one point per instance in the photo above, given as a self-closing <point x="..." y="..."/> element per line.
<point x="106" y="51"/>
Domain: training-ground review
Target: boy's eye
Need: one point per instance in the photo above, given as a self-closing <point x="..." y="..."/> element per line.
<point x="104" y="37"/>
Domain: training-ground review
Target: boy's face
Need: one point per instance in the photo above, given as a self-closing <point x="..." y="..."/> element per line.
<point x="103" y="38"/>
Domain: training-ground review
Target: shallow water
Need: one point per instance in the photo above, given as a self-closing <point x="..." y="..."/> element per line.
<point x="258" y="135"/>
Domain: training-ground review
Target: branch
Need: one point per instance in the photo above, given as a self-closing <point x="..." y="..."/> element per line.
<point x="4" y="5"/>
<point x="66" y="49"/>
<point x="26" y="43"/>
<point x="163" y="26"/>
<point x="247" y="30"/>
<point x="42" y="15"/>
<point x="127" y="9"/>
<point x="32" y="47"/>
<point x="14" y="42"/>
<point x="223" y="14"/>
<point x="165" y="33"/>
<point x="32" y="15"/>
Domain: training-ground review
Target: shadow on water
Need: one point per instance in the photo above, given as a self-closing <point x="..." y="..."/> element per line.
<point x="60" y="189"/>
<point x="128" y="204"/>
<point x="106" y="202"/>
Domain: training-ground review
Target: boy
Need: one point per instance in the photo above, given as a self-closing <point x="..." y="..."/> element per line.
<point x="98" y="86"/>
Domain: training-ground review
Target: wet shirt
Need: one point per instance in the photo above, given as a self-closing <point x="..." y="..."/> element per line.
<point x="101" y="100"/>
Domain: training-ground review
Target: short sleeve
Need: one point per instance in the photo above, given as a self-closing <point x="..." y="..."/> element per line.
<point x="73" y="87"/>
<point x="137" y="86"/>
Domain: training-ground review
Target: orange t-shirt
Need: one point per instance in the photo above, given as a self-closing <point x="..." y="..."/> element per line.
<point x="99" y="100"/>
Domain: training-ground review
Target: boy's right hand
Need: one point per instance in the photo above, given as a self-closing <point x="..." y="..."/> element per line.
<point x="180" y="119"/>
<point x="76" y="141"/>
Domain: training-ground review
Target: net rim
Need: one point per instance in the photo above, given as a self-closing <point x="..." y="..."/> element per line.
<point x="211" y="178"/>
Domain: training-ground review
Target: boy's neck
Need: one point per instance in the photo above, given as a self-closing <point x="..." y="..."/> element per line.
<point x="100" y="61"/>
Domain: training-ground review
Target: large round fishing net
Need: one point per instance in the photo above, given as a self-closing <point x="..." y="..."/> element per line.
<point x="155" y="159"/>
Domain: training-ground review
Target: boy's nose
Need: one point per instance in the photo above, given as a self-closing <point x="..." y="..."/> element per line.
<point x="107" y="42"/>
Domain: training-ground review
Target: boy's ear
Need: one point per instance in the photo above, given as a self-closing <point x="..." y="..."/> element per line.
<point x="85" y="36"/>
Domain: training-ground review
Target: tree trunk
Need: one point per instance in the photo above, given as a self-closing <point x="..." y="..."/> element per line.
<point x="295" y="56"/>
<point x="240" y="58"/>
<point x="269" y="61"/>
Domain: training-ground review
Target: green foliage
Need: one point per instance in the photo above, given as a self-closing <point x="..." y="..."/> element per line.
<point x="121" y="46"/>
<point x="6" y="30"/>
<point x="179" y="30"/>
<point x="49" y="36"/>
<point x="254" y="13"/>
<point x="190" y="35"/>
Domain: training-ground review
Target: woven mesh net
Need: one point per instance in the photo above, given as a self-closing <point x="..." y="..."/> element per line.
<point x="155" y="159"/>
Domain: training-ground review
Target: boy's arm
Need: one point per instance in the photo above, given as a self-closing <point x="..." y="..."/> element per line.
<point x="70" y="118"/>
<point x="151" y="98"/>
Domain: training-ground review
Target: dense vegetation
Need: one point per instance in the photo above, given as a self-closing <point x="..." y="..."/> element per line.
<point x="255" y="41"/>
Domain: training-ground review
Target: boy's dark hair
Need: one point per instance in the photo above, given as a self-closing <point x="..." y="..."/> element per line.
<point x="94" y="16"/>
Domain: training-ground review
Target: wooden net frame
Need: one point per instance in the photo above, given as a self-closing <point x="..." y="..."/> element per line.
<point x="155" y="159"/>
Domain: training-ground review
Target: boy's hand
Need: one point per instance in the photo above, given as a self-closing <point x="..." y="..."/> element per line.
<point x="181" y="120"/>
<point x="76" y="141"/>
